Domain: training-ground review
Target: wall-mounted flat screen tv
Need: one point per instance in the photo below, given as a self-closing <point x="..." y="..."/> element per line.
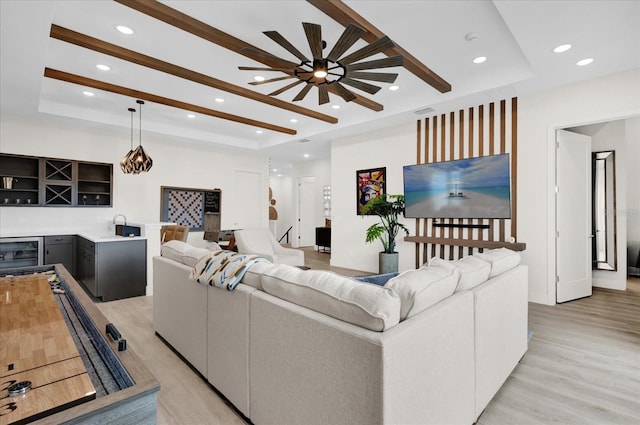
<point x="464" y="188"/>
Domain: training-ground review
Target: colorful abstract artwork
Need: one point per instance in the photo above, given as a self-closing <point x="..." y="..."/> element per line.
<point x="371" y="183"/>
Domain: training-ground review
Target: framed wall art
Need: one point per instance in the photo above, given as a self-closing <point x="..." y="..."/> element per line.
<point x="187" y="207"/>
<point x="370" y="184"/>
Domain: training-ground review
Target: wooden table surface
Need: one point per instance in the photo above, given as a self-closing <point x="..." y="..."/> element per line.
<point x="36" y="346"/>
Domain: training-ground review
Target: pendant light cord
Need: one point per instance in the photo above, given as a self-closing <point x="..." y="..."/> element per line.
<point x="131" y="139"/>
<point x="140" y="102"/>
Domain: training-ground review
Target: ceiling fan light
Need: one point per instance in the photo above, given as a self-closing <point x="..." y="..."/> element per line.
<point x="320" y="73"/>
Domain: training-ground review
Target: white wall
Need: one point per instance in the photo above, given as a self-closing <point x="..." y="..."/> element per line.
<point x="320" y="170"/>
<point x="136" y="196"/>
<point x="539" y="115"/>
<point x="632" y="137"/>
<point x="391" y="148"/>
<point x="282" y="189"/>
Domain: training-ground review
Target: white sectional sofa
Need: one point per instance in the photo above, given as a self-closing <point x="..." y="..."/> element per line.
<point x="289" y="346"/>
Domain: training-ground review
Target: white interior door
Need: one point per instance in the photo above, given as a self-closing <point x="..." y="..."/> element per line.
<point x="250" y="200"/>
<point x="306" y="211"/>
<point x="573" y="216"/>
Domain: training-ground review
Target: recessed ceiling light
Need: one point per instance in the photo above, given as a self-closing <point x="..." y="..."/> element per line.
<point x="306" y="155"/>
<point x="480" y="59"/>
<point x="88" y="93"/>
<point x="293" y="120"/>
<point x="258" y="131"/>
<point x="258" y="78"/>
<point x="191" y="116"/>
<point x="584" y="62"/>
<point x="335" y="106"/>
<point x="219" y="99"/>
<point x="102" y="67"/>
<point x="275" y="169"/>
<point x="124" y="30"/>
<point x="279" y="175"/>
<point x="562" y="48"/>
<point x="394" y="88"/>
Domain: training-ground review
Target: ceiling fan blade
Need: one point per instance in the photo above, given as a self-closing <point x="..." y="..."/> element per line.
<point x="323" y="94"/>
<point x="275" y="36"/>
<point x="285" y="88"/>
<point x="383" y="77"/>
<point x="314" y="37"/>
<point x="343" y="92"/>
<point x="257" y="68"/>
<point x="377" y="63"/>
<point x="271" y="80"/>
<point x="361" y="85"/>
<point x="380" y="45"/>
<point x="348" y="38"/>
<point x="303" y="93"/>
<point x="281" y="62"/>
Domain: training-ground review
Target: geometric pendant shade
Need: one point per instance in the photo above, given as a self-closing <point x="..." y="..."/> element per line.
<point x="125" y="164"/>
<point x="136" y="161"/>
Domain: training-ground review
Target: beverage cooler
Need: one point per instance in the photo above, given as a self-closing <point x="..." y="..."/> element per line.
<point x="21" y="252"/>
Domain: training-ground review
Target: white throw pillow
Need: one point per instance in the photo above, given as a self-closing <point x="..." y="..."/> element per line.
<point x="420" y="289"/>
<point x="473" y="271"/>
<point x="501" y="259"/>
<point x="174" y="250"/>
<point x="368" y="306"/>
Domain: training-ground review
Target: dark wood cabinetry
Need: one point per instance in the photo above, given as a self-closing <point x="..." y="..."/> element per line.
<point x="59" y="250"/>
<point x="34" y="181"/>
<point x="113" y="270"/>
<point x="20" y="180"/>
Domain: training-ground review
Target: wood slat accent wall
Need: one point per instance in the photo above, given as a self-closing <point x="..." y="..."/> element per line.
<point x="467" y="133"/>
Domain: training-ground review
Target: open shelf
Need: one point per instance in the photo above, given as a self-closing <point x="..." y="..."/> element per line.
<point x="34" y="181"/>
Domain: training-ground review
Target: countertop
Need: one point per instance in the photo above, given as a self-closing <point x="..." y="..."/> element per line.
<point x="97" y="238"/>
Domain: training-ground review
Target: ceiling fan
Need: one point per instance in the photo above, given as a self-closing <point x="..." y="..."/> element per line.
<point x="329" y="73"/>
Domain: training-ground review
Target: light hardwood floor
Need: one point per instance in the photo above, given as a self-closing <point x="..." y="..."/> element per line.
<point x="582" y="366"/>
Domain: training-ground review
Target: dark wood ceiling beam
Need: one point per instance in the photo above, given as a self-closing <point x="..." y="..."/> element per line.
<point x="97" y="45"/>
<point x="344" y="15"/>
<point x="198" y="28"/>
<point x="137" y="94"/>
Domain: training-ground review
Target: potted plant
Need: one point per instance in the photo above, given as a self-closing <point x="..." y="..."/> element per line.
<point x="389" y="208"/>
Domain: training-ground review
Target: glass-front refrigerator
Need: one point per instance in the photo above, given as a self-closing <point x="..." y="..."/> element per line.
<point x="20" y="252"/>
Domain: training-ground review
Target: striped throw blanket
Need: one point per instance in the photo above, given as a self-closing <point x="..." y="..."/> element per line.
<point x="223" y="269"/>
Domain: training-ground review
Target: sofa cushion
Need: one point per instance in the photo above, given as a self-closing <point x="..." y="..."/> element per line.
<point x="253" y="275"/>
<point x="192" y="254"/>
<point x="174" y="250"/>
<point x="420" y="289"/>
<point x="473" y="271"/>
<point x="501" y="259"/>
<point x="368" y="306"/>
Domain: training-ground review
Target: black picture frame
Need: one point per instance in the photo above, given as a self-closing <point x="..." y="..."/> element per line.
<point x="370" y="183"/>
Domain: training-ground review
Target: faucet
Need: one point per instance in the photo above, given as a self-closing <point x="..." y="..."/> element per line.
<point x="120" y="215"/>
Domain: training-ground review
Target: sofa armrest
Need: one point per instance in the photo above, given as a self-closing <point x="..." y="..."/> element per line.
<point x="501" y="317"/>
<point x="173" y="295"/>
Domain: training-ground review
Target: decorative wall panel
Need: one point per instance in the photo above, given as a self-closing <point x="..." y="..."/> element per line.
<point x="482" y="130"/>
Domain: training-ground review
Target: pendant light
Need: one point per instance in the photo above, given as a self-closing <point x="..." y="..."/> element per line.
<point x="139" y="160"/>
<point x="125" y="164"/>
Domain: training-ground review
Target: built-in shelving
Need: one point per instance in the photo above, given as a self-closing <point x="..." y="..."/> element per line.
<point x="34" y="181"/>
<point x="20" y="180"/>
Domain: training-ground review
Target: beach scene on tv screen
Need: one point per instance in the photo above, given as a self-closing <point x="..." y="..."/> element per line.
<point x="465" y="188"/>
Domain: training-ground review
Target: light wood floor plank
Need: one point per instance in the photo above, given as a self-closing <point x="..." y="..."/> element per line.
<point x="582" y="366"/>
